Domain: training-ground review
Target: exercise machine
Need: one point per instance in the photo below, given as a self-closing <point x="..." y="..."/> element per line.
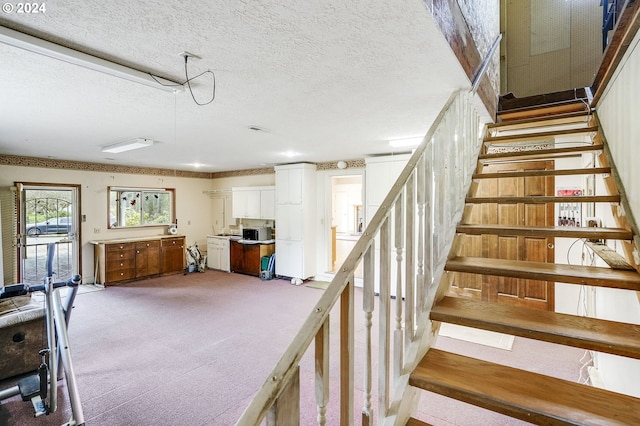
<point x="42" y="388"/>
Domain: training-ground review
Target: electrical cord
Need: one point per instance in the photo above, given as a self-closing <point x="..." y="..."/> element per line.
<point x="213" y="89"/>
<point x="188" y="82"/>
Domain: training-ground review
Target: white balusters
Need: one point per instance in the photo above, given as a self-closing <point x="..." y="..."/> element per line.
<point x="398" y="224"/>
<point x="384" y="318"/>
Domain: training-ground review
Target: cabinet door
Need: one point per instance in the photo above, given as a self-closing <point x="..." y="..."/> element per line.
<point x="212" y="254"/>
<point x="172" y="253"/>
<point x="246" y="204"/>
<point x="268" y="204"/>
<point x="289" y="258"/>
<point x="147" y="258"/>
<point x="237" y="256"/>
<point x="290" y="221"/>
<point x="252" y="259"/>
<point x="223" y="255"/>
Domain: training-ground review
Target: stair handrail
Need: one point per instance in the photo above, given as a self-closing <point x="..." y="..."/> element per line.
<point x="485" y="65"/>
<point x="278" y="397"/>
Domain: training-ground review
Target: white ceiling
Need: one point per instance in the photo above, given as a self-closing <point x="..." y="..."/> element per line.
<point x="331" y="80"/>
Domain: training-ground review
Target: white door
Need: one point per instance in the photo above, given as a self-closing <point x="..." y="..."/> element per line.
<point x="48" y="214"/>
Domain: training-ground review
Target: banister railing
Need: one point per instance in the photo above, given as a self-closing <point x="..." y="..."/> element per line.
<point x="403" y="248"/>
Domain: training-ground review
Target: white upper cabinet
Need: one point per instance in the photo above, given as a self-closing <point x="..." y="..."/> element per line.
<point x="268" y="204"/>
<point x="253" y="202"/>
<point x="289" y="185"/>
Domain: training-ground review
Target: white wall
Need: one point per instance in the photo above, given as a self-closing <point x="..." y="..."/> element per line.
<point x="193" y="209"/>
<point x="618" y="113"/>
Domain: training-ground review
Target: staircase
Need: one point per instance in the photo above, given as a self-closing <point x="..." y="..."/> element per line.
<point x="539" y="135"/>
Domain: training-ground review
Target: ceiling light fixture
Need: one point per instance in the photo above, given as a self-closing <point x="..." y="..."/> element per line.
<point x="127" y="145"/>
<point x="55" y="51"/>
<point x="290" y="154"/>
<point x="404" y="143"/>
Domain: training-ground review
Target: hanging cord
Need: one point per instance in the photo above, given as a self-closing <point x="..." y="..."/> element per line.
<point x="213" y="89"/>
<point x="188" y="82"/>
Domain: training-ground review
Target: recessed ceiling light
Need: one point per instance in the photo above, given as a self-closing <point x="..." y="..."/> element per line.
<point x="290" y="154"/>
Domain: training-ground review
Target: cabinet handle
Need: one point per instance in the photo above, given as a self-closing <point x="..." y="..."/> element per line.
<point x="137" y="251"/>
<point x="147" y="244"/>
<point x="121" y="255"/>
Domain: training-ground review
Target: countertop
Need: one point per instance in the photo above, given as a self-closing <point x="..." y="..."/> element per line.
<point x="134" y="239"/>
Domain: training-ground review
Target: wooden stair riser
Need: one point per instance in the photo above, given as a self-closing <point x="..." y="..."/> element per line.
<point x="540" y="135"/>
<point x="575" y="118"/>
<point x="537" y="154"/>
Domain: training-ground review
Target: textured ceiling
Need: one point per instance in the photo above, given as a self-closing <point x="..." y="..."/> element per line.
<point x="329" y="80"/>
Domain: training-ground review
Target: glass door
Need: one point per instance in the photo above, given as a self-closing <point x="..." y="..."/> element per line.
<point x="48" y="214"/>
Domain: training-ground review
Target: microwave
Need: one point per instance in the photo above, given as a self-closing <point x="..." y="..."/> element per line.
<point x="257" y="234"/>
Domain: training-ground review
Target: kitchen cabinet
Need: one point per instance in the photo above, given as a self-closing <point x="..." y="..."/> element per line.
<point x="147" y="258"/>
<point x="119" y="261"/>
<point x="268" y="203"/>
<point x="247" y="258"/>
<point x="172" y="255"/>
<point x="295" y="220"/>
<point x="218" y="252"/>
<point x="253" y="202"/>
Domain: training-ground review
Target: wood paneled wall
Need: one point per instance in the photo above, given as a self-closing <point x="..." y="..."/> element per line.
<point x="551" y="45"/>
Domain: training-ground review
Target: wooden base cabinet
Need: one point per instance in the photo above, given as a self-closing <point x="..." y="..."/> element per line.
<point x="119" y="261"/>
<point x="172" y="255"/>
<point x="247" y="258"/>
<point x="147" y="258"/>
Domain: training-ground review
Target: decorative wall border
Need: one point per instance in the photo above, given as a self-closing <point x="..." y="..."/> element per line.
<point x="21" y="161"/>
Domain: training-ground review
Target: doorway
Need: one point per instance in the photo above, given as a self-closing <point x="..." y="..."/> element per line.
<point x="48" y="214"/>
<point x="533" y="294"/>
<point x="347" y="218"/>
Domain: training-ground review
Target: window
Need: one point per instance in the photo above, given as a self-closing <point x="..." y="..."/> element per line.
<point x="130" y="207"/>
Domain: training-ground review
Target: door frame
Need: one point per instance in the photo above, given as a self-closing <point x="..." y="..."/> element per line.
<point x="74" y="236"/>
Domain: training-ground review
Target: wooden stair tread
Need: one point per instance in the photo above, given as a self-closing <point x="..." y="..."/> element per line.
<point x="571" y="117"/>
<point x="582" y="332"/>
<point x="554" y="172"/>
<point x="572" y="274"/>
<point x="537" y="153"/>
<point x="611" y="257"/>
<point x="539" y="135"/>
<point x="506" y="116"/>
<point x="521" y="394"/>
<point x="539" y="199"/>
<point x="548" y="231"/>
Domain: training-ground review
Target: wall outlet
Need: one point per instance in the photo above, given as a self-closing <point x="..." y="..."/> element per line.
<point x="96" y="230"/>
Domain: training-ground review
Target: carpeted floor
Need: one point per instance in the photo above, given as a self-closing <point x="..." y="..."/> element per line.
<point x="193" y="349"/>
